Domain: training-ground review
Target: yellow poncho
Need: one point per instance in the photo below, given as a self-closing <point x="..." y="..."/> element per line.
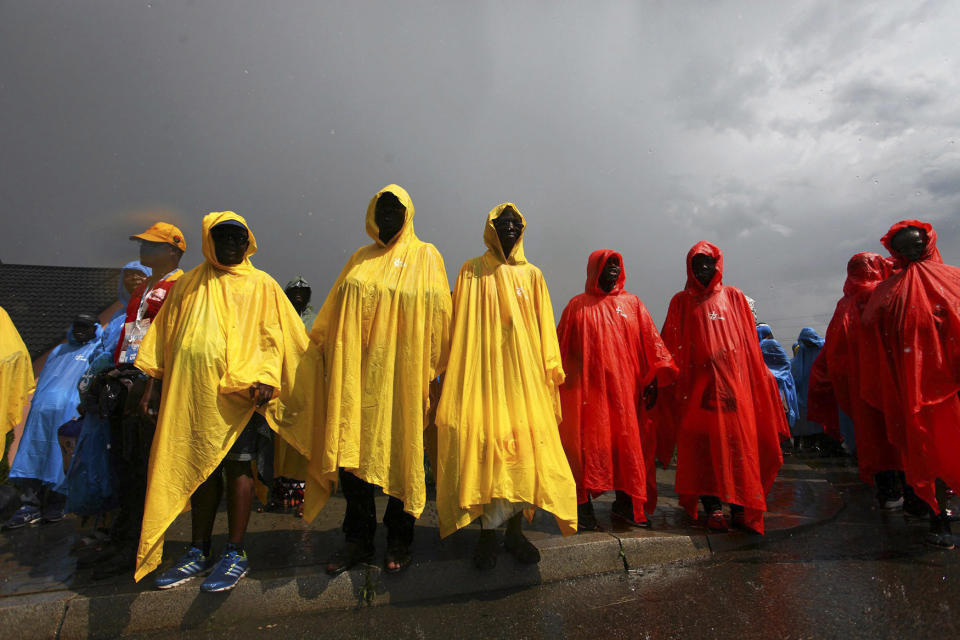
<point x="221" y="329"/>
<point x="380" y="337"/>
<point x="16" y="377"/>
<point x="498" y="414"/>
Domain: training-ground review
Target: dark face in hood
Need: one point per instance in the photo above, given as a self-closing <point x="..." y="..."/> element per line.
<point x="865" y="271"/>
<point x="605" y="273"/>
<point x="390" y="215"/>
<point x="911" y="241"/>
<point x="230" y="243"/>
<point x="704" y="267"/>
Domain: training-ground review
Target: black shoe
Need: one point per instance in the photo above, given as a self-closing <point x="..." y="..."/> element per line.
<point x="522" y="549"/>
<point x="586" y="518"/>
<point x="350" y="555"/>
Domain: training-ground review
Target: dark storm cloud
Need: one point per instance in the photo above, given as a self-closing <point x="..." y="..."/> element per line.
<point x="791" y="135"/>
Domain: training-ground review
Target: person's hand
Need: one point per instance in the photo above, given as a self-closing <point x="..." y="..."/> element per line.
<point x="650" y="395"/>
<point x="150" y="401"/>
<point x="261" y="393"/>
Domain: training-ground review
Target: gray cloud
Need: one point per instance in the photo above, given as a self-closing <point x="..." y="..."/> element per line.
<point x="642" y="127"/>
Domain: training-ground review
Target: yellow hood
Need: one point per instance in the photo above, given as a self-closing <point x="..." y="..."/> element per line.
<point x="209" y="222"/>
<point x="492" y="240"/>
<point x="406" y="231"/>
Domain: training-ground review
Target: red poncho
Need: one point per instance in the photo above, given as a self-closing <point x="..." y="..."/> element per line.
<point x="611" y="351"/>
<point x="912" y="346"/>
<point x="726" y="403"/>
<point x="836" y="371"/>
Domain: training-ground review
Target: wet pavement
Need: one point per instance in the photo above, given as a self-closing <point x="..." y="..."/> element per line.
<point x="864" y="574"/>
<point x="39" y="575"/>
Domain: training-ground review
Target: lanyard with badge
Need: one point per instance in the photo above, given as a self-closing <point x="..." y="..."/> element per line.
<point x="135" y="331"/>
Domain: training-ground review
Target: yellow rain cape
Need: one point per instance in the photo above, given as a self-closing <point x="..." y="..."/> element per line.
<point x="379" y="339"/>
<point x="221" y="329"/>
<point x="16" y="377"/>
<point x="498" y="414"/>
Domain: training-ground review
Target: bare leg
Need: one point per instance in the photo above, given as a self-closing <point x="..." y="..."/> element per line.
<point x="239" y="499"/>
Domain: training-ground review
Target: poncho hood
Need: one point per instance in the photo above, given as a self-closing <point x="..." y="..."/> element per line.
<point x="708" y="249"/>
<point x="764" y="331"/>
<point x="209" y="222"/>
<point x="122" y="293"/>
<point x="864" y="272"/>
<point x="96" y="336"/>
<point x="931" y="253"/>
<point x="596" y="263"/>
<point x="492" y="240"/>
<point x="809" y="337"/>
<point x="406" y="231"/>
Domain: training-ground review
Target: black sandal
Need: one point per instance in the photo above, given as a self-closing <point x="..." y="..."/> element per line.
<point x="347" y="557"/>
<point x="522" y="549"/>
<point x="485" y="553"/>
<point x="399" y="554"/>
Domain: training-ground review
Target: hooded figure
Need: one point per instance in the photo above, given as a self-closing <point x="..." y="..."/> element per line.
<point x="16" y="377"/>
<point x="611" y="352"/>
<point x="54" y="403"/>
<point x="499" y="446"/>
<point x="379" y="340"/>
<point x="223" y="330"/>
<point x="89" y="483"/>
<point x="911" y="347"/>
<point x="835" y="377"/>
<point x="725" y="400"/>
<point x="777" y="361"/>
<point x="809" y="344"/>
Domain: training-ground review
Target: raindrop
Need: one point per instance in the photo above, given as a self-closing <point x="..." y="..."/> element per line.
<point x="876" y="181"/>
<point x="309" y="213"/>
<point x="332" y="132"/>
<point x="918" y="193"/>
<point x="245" y="71"/>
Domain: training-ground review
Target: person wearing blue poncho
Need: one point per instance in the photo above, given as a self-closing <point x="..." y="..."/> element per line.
<point x="775" y="357"/>
<point x="809" y="345"/>
<point x="38" y="466"/>
<point x="89" y="482"/>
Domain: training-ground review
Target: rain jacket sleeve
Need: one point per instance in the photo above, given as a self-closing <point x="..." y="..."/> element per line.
<point x="16" y="376"/>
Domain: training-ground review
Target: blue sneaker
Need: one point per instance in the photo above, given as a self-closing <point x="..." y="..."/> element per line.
<point x="225" y="576"/>
<point x="24" y="515"/>
<point x="192" y="564"/>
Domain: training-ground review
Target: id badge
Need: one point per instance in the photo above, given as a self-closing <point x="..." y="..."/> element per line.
<point x="133" y="336"/>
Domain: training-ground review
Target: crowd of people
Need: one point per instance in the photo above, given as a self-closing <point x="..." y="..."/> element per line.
<point x="220" y="381"/>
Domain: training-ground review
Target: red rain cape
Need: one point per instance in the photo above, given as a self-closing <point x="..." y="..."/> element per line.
<point x="611" y="351"/>
<point x="912" y="346"/>
<point x="835" y="378"/>
<point x="726" y="406"/>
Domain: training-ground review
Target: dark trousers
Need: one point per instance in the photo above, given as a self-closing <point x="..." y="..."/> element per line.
<point x="360" y="521"/>
<point x="131" y="437"/>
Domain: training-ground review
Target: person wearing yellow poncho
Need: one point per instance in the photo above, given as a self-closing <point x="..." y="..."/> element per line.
<point x="226" y="345"/>
<point x="16" y="377"/>
<point x="499" y="444"/>
<point x="379" y="340"/>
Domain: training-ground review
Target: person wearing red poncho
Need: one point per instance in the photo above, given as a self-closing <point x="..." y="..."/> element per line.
<point x="725" y="402"/>
<point x="912" y="346"/>
<point x="615" y="360"/>
<point x="835" y="381"/>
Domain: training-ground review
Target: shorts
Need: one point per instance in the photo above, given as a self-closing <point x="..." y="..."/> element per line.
<point x="255" y="442"/>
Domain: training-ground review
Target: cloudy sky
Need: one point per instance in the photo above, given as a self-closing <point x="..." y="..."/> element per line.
<point x="791" y="135"/>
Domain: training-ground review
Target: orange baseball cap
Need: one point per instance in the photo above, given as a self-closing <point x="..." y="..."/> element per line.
<point x="163" y="232"/>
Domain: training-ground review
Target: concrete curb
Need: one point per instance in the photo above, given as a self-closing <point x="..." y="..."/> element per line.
<point x="110" y="611"/>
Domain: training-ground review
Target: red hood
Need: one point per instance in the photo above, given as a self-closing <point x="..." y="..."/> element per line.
<point x="598" y="259"/>
<point x="931" y="253"/>
<point x="864" y="272"/>
<point x="707" y="249"/>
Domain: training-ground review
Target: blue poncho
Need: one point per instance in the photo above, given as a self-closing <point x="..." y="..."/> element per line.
<point x="775" y="357"/>
<point x="809" y="345"/>
<point x="89" y="482"/>
<point x="54" y="403"/>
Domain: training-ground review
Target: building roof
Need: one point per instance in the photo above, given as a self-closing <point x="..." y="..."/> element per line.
<point x="42" y="301"/>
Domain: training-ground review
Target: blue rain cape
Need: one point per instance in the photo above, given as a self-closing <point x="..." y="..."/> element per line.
<point x="775" y="357"/>
<point x="809" y="344"/>
<point x="90" y="480"/>
<point x="54" y="403"/>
